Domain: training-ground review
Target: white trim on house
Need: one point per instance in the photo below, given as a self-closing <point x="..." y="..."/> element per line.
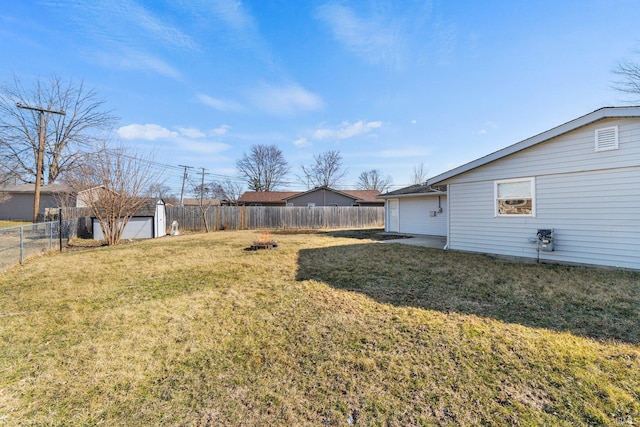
<point x="524" y="196"/>
<point x="405" y="196"/>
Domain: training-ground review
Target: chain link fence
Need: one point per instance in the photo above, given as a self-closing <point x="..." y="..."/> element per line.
<point x="17" y="244"/>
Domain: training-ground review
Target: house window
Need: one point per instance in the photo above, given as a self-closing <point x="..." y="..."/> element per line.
<point x="289" y="204"/>
<point x="311" y="205"/>
<point x="515" y="197"/>
<point x="607" y="139"/>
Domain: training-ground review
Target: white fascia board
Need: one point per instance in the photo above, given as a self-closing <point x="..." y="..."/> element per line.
<point x="405" y="196"/>
<point x="413" y="195"/>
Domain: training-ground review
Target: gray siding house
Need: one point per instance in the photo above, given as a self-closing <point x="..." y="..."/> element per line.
<point x="580" y="179"/>
<point x="16" y="202"/>
<point x="325" y="196"/>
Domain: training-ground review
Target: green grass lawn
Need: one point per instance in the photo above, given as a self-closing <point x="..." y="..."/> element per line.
<point x="329" y="329"/>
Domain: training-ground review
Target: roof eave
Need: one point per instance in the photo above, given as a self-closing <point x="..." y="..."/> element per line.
<point x="408" y="195"/>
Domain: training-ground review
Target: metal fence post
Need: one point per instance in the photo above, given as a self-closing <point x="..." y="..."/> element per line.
<point x="21" y="244"/>
<point x="60" y="227"/>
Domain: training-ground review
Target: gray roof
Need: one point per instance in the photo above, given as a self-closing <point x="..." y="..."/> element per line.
<point x="30" y="188"/>
<point x="600" y="114"/>
<point x="412" y="191"/>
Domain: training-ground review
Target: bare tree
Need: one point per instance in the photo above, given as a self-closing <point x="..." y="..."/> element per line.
<point x="264" y="168"/>
<point x="115" y="184"/>
<point x="326" y="171"/>
<point x="207" y="193"/>
<point x="232" y="191"/>
<point x="419" y="175"/>
<point x="164" y="192"/>
<point x="208" y="190"/>
<point x="5" y="178"/>
<point x="373" y="180"/>
<point x="629" y="77"/>
<point x="65" y="135"/>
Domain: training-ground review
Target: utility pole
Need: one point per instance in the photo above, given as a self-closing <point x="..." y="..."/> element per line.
<point x="40" y="154"/>
<point x="184" y="178"/>
<point x="202" y="188"/>
<point x="202" y="206"/>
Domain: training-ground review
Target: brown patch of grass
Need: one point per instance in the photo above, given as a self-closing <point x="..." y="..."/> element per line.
<point x="7" y="224"/>
<point x="193" y="330"/>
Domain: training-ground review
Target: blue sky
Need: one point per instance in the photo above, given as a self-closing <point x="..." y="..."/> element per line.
<point x="390" y="84"/>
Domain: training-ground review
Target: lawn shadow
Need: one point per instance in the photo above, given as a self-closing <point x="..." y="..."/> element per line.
<point x="595" y="303"/>
<point x="376" y="234"/>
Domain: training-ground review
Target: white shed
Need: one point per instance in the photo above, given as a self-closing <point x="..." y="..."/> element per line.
<point x="149" y="222"/>
<point x="417" y="209"/>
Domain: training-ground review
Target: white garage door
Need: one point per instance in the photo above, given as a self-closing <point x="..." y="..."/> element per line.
<point x="415" y="216"/>
<point x="137" y="228"/>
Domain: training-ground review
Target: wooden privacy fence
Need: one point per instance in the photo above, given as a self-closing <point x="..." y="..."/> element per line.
<point x="275" y="217"/>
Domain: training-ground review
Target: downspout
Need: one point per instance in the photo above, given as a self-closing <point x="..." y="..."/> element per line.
<point x="446" y="246"/>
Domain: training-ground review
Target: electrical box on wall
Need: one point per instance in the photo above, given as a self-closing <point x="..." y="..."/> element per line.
<point x="546" y="240"/>
<point x="432" y="213"/>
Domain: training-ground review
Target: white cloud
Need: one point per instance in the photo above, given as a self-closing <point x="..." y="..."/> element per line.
<point x="413" y="122"/>
<point x="191" y="132"/>
<point x="220" y="104"/>
<point x="116" y="20"/>
<point x="221" y="130"/>
<point x="149" y="132"/>
<point x="302" y="142"/>
<point x="347" y="130"/>
<point x="285" y="100"/>
<point x="233" y="13"/>
<point x="186" y="139"/>
<point x="158" y="29"/>
<point x="490" y="126"/>
<point x="376" y="40"/>
<point x="128" y="59"/>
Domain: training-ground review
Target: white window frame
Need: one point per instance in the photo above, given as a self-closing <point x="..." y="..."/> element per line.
<point x="311" y="205"/>
<point x="532" y="183"/>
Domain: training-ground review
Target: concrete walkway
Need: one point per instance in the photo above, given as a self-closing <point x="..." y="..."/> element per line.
<point x="421" y="240"/>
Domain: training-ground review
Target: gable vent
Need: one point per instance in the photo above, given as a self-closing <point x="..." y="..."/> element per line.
<point x="607" y="139"/>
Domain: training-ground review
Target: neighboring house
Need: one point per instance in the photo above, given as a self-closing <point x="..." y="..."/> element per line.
<point x="265" y="198"/>
<point x="417" y="209"/>
<point x="580" y="179"/>
<point x="86" y="198"/>
<point x="325" y="196"/>
<point x="16" y="202"/>
<point x="150" y="221"/>
<point x="196" y="202"/>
